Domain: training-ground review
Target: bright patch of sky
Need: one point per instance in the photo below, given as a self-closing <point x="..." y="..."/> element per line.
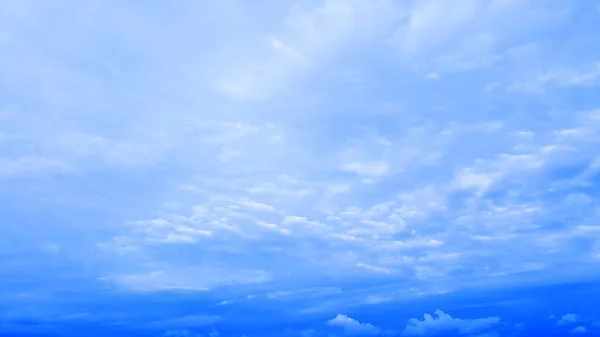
<point x="266" y="167"/>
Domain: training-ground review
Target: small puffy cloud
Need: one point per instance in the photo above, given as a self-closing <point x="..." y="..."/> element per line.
<point x="444" y="323"/>
<point x="468" y="179"/>
<point x="579" y="329"/>
<point x="432" y="76"/>
<point x="352" y="326"/>
<point x="567" y="319"/>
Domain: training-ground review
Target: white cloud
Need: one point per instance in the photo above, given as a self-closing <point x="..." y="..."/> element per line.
<point x="277" y="44"/>
<point x="335" y="189"/>
<point x="449" y="37"/>
<point x="369" y="169"/>
<point x="178" y="333"/>
<point x="579" y="329"/>
<point x="560" y="77"/>
<point x="257" y="205"/>
<point x="570" y="78"/>
<point x="420" y="202"/>
<point x="187" y="321"/>
<point x="28" y="165"/>
<point x="436" y="20"/>
<point x="163" y="231"/>
<point x="567" y="319"/>
<point x="411" y="244"/>
<point x="265" y="211"/>
<point x="189" y="278"/>
<point x="445" y="323"/>
<point x="227" y="155"/>
<point x="331" y="151"/>
<point x="479" y="181"/>
<point x="312" y="36"/>
<point x="432" y="76"/>
<point x="373" y="268"/>
<point x="352" y="326"/>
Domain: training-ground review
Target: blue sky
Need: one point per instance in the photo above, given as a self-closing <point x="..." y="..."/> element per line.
<point x="299" y="168"/>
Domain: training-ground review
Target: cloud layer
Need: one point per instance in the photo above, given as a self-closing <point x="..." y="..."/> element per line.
<point x="352" y="152"/>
